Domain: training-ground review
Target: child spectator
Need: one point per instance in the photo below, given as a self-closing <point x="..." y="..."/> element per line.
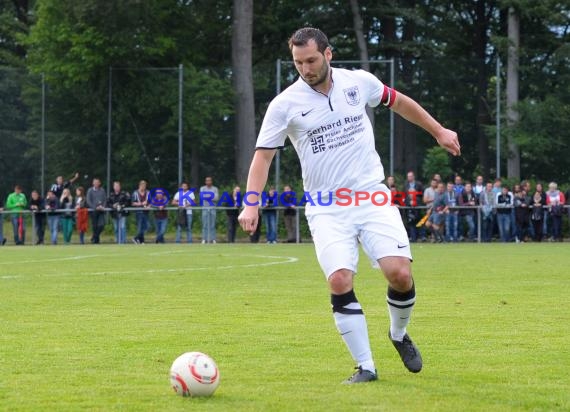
<point x="81" y="213"/>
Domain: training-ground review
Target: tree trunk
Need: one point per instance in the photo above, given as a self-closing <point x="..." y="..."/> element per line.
<point x="242" y="31"/>
<point x="405" y="148"/>
<point x="514" y="156"/>
<point x="480" y="45"/>
<point x="362" y="46"/>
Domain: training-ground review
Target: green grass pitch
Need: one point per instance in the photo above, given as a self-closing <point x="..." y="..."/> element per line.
<point x="97" y="327"/>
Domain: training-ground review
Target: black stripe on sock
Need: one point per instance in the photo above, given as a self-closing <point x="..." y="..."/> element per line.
<point x="400" y="306"/>
<point x="402" y="296"/>
<point x="346" y="311"/>
<point x="339" y="302"/>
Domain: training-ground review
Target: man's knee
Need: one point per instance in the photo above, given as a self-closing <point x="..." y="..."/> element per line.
<point x="340" y="281"/>
<point x="400" y="278"/>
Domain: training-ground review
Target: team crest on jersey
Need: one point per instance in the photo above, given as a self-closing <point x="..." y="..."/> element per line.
<point x="352" y="95"/>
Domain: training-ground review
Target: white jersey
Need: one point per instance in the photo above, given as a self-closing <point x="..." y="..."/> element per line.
<point x="185" y="202"/>
<point x="332" y="134"/>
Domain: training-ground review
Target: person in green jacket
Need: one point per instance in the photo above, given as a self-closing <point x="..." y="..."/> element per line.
<point x="16" y="203"/>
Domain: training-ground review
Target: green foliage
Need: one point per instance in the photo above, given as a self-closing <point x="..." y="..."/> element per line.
<point x="436" y="160"/>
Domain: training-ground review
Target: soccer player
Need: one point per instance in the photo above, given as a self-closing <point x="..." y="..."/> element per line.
<point x="324" y="115"/>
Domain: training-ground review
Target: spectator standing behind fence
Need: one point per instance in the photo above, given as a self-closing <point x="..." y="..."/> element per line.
<point x="160" y="215"/>
<point x="37" y="206"/>
<point x="209" y="195"/>
<point x="504" y="203"/>
<point x="140" y="199"/>
<point x="522" y="215"/>
<point x="118" y="201"/>
<point x="17" y="203"/>
<point x="437" y="213"/>
<point x="60" y="184"/>
<point x="537" y="215"/>
<point x="81" y="213"/>
<point x="468" y="199"/>
<point x="479" y="186"/>
<point x="451" y="213"/>
<point x="232" y="214"/>
<point x="555" y="201"/>
<point x="184" y="213"/>
<point x="2" y="238"/>
<point x="545" y="214"/>
<point x="269" y="214"/>
<point x="487" y="203"/>
<point x="497" y="186"/>
<point x="416" y="188"/>
<point x="525" y="185"/>
<point x="96" y="201"/>
<point x="458" y="185"/>
<point x="390" y="181"/>
<point x="429" y="193"/>
<point x="290" y="213"/>
<point x="66" y="204"/>
<point x="567" y="197"/>
<point x="52" y="206"/>
<point x="412" y="216"/>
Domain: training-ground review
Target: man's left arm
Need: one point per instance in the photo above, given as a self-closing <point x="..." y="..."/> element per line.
<point x="410" y="110"/>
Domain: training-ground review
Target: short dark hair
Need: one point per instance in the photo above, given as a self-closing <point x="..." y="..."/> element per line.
<point x="302" y="36"/>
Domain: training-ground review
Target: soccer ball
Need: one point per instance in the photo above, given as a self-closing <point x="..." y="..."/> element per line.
<point x="194" y="374"/>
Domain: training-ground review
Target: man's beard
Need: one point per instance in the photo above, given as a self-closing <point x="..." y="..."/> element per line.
<point x="322" y="76"/>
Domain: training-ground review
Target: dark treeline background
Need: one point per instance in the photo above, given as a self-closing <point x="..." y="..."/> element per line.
<point x="445" y="57"/>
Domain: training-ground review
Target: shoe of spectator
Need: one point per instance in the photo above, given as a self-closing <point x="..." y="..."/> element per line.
<point x="213" y="241"/>
<point x="136" y="241"/>
<point x="4" y="241"/>
<point x="203" y="241"/>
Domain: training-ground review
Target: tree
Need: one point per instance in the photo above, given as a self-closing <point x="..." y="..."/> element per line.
<point x="362" y="45"/>
<point x="75" y="43"/>
<point x="514" y="156"/>
<point x="242" y="29"/>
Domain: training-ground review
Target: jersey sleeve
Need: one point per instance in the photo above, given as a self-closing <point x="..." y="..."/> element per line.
<point x="373" y="88"/>
<point x="377" y="91"/>
<point x="273" y="130"/>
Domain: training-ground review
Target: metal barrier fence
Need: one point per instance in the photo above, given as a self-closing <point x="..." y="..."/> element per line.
<point x="29" y="220"/>
<point x="301" y="230"/>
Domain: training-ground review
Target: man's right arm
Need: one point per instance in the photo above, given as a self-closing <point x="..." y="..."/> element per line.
<point x="410" y="110"/>
<point x="256" y="180"/>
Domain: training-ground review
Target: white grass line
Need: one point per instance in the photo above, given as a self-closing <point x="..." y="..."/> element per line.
<point x="285" y="260"/>
<point x="288" y="259"/>
<point x="59" y="259"/>
<point x="171" y="252"/>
